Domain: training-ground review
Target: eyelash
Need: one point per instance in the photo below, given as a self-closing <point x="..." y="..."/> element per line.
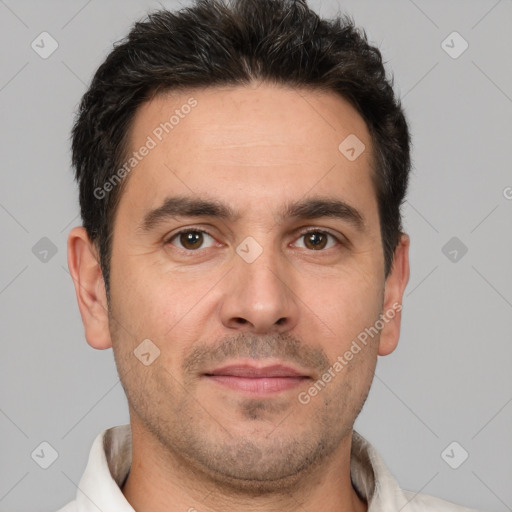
<point x="302" y="234"/>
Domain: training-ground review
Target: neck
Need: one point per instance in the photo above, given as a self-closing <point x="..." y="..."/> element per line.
<point x="160" y="481"/>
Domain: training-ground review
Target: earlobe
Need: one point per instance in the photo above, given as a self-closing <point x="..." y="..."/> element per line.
<point x="396" y="282"/>
<point x="83" y="263"/>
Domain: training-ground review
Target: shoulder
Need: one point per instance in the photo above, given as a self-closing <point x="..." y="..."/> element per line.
<point x="425" y="503"/>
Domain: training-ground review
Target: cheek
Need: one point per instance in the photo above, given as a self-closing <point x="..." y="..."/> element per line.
<point x="140" y="303"/>
<point x="166" y="306"/>
<point x="346" y="305"/>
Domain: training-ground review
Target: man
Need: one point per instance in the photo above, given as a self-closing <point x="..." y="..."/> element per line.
<point x="241" y="169"/>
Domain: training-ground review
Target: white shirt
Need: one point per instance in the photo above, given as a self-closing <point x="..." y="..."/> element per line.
<point x="111" y="455"/>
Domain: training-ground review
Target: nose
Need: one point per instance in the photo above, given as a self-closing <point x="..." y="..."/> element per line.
<point x="259" y="297"/>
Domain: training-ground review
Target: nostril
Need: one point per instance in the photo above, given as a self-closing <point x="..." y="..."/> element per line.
<point x="241" y="320"/>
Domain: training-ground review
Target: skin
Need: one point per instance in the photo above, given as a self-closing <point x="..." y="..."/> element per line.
<point x="196" y="443"/>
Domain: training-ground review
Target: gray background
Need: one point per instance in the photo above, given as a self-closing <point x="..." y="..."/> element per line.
<point x="449" y="380"/>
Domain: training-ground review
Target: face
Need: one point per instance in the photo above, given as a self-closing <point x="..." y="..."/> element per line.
<point x="247" y="249"/>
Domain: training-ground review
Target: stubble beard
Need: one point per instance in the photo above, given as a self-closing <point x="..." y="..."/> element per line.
<point x="269" y="455"/>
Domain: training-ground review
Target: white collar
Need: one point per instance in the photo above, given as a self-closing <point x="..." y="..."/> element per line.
<point x="111" y="454"/>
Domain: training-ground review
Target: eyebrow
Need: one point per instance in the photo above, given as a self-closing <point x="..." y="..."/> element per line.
<point x="313" y="208"/>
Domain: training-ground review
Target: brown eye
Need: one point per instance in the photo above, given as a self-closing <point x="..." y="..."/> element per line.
<point x="317" y="240"/>
<point x="190" y="240"/>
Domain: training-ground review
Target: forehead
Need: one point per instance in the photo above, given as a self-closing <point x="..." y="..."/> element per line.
<point x="261" y="142"/>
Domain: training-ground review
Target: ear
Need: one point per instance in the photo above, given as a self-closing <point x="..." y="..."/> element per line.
<point x="83" y="263"/>
<point x="396" y="282"/>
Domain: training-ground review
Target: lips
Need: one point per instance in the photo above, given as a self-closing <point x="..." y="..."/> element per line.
<point x="251" y="379"/>
<point x="255" y="372"/>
